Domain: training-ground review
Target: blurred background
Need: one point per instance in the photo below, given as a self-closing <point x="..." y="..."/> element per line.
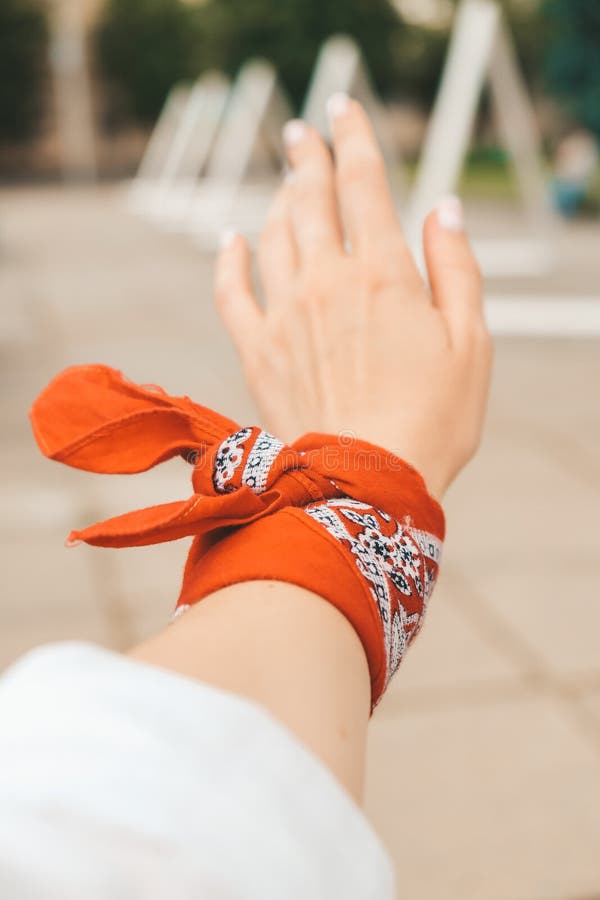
<point x="115" y="177"/>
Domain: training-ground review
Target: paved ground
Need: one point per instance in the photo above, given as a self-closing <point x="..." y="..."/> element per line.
<point x="484" y="767"/>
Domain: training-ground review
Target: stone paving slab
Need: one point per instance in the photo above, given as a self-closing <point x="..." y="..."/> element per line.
<point x="449" y="656"/>
<point x="47" y="597"/>
<point x="525" y="509"/>
<point x="497" y="800"/>
<point x="565" y="601"/>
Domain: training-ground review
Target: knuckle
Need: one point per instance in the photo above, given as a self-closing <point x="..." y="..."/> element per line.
<point x="316" y="167"/>
<point x="386" y="264"/>
<point x="311" y="201"/>
<point x="309" y="288"/>
<point x="312" y="176"/>
<point x="307" y="297"/>
<point x="314" y="150"/>
<point x="359" y="166"/>
<point x="378" y="277"/>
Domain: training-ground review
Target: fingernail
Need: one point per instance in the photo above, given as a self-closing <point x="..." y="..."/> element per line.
<point x="228" y="236"/>
<point x="294" y="131"/>
<point x="338" y="105"/>
<point x="451" y="214"/>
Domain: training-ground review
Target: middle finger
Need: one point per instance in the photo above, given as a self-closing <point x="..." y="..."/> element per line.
<point x="313" y="204"/>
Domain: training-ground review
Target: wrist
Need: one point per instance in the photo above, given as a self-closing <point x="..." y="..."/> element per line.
<point x="432" y="472"/>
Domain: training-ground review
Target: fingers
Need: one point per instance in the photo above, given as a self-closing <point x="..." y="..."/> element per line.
<point x="313" y="206"/>
<point x="235" y="298"/>
<point x="364" y="195"/>
<point x="277" y="252"/>
<point x="454" y="274"/>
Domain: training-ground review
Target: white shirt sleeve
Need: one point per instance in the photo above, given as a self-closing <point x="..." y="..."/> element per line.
<point x="120" y="780"/>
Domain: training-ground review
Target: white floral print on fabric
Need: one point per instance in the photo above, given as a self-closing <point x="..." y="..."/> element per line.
<point x="260" y="459"/>
<point x="398" y="562"/>
<point x="228" y="459"/>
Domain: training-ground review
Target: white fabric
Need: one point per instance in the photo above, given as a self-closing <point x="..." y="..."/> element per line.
<point x="119" y="780"/>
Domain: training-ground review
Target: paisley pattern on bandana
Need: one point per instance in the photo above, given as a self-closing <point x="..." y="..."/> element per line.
<point x="398" y="562"/>
<point x="228" y="459"/>
<point x="263" y="454"/>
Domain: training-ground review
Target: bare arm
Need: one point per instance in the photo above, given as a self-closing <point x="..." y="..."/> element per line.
<point x="348" y="341"/>
<point x="286" y="649"/>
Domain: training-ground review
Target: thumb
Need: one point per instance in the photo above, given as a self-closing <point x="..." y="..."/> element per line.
<point x="454" y="275"/>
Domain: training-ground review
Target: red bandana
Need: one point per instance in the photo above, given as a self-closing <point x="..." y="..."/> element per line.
<point x="348" y="521"/>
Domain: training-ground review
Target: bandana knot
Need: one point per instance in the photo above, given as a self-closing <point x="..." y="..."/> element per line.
<point x="247" y="458"/>
<point x="92" y="417"/>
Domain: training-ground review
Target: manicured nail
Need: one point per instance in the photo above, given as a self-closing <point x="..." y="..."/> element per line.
<point x="451" y="214"/>
<point x="294" y="131"/>
<point x="228" y="236"/>
<point x="338" y="105"/>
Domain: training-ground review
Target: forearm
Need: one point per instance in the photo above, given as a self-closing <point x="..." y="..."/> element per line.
<point x="366" y="372"/>
<point x="286" y="649"/>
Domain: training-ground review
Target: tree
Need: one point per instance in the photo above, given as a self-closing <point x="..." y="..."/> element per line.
<point x="290" y="33"/>
<point x="23" y="43"/>
<point x="572" y="60"/>
<point x="144" y="48"/>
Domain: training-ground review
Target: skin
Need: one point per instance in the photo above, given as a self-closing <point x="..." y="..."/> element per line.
<point x="350" y="338"/>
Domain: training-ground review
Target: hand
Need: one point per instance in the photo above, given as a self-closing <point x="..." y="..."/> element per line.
<point x="350" y="338"/>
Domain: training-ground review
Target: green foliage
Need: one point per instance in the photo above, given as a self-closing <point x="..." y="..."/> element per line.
<point x="529" y="30"/>
<point x="572" y="59"/>
<point x="144" y="48"/>
<point x="420" y="55"/>
<point x="289" y="34"/>
<point x="23" y="43"/>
